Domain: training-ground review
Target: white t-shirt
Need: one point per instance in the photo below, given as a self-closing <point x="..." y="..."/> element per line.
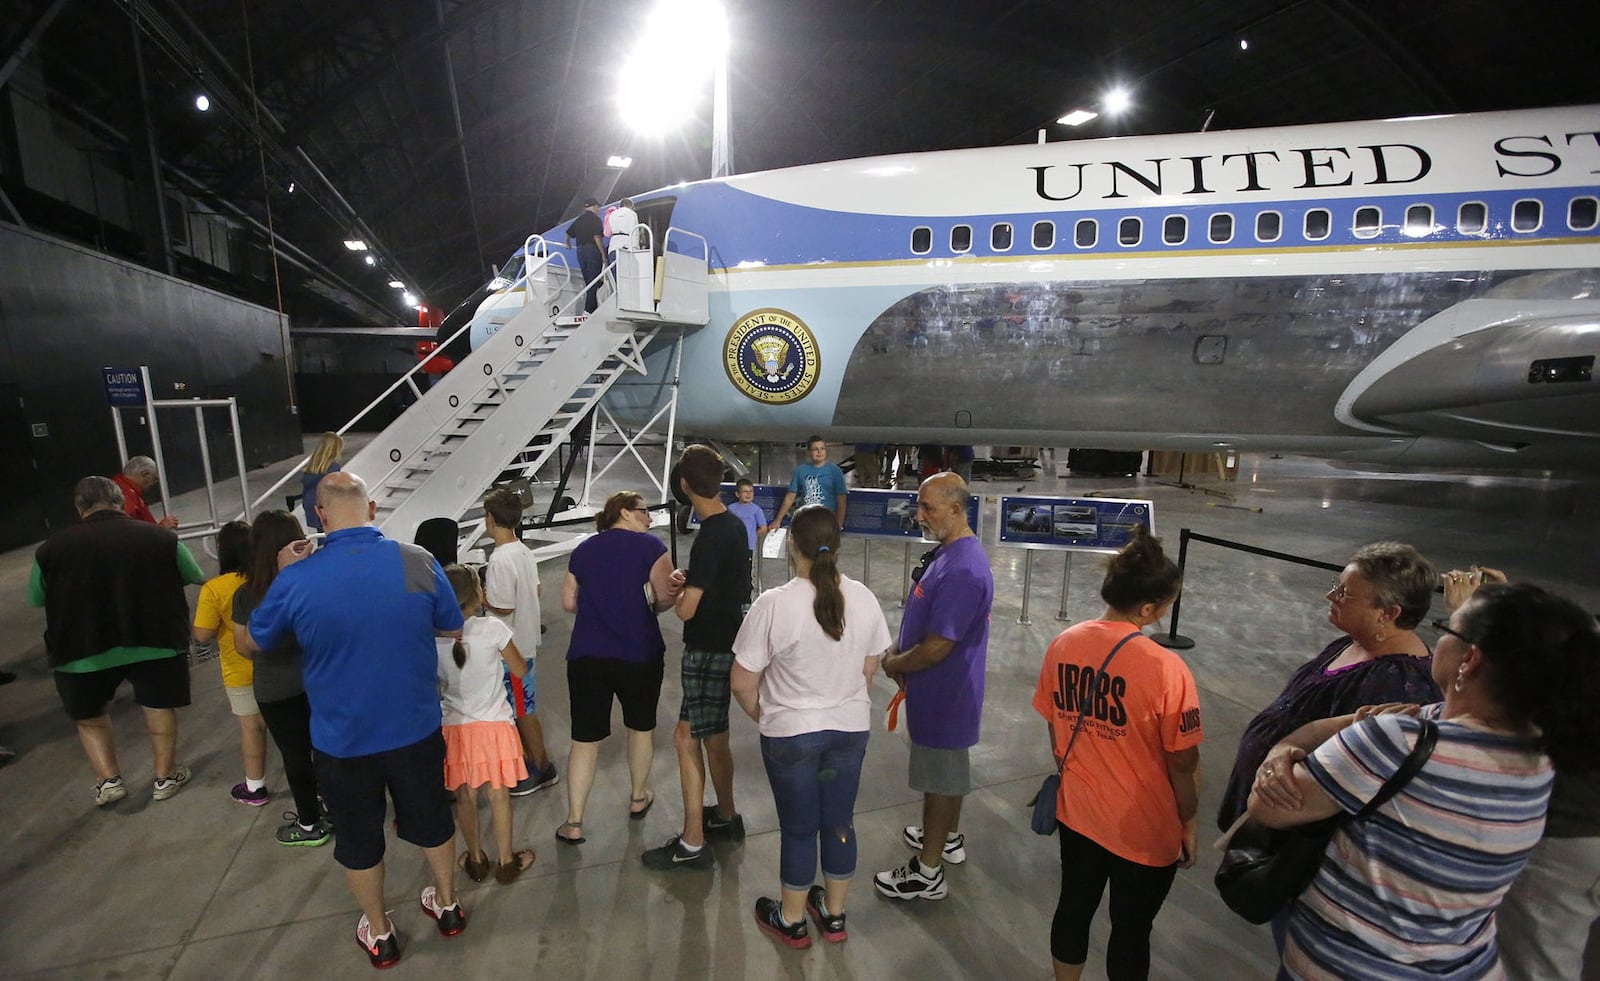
<point x="513" y="584"/>
<point x="475" y="692"/>
<point x="811" y="682"/>
<point x="623" y="222"/>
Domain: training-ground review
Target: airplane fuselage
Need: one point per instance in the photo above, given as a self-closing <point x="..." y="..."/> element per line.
<point x="1422" y="290"/>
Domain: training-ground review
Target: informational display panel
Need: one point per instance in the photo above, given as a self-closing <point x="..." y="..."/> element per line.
<point x="124" y="386"/>
<point x="890" y="513"/>
<point x="1088" y="524"/>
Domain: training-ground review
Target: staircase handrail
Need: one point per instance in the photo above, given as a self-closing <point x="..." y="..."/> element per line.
<point x="705" y="247"/>
<point x="490" y="377"/>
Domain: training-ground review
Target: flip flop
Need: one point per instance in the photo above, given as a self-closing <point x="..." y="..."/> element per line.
<point x="575" y="825"/>
<point x="477" y="869"/>
<point x="506" y="873"/>
<point x="649" y="802"/>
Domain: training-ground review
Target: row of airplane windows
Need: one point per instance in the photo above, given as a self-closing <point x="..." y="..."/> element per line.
<point x="1472" y="218"/>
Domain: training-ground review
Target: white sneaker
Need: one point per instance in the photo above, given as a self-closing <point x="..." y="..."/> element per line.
<point x="168" y="786"/>
<point x="911" y="881"/>
<point x="955" y="845"/>
<point x="109" y="791"/>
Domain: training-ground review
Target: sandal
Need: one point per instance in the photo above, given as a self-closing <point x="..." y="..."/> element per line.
<point x="649" y="800"/>
<point x="506" y="873"/>
<point x="477" y="869"/>
<point x="574" y="826"/>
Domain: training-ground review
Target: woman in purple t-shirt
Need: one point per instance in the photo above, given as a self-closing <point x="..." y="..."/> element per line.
<point x="1381" y="597"/>
<point x="616" y="583"/>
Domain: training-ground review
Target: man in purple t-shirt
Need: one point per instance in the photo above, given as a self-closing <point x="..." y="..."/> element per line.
<point x="939" y="660"/>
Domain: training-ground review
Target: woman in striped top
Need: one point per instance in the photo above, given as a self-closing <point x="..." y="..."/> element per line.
<point x="1411" y="891"/>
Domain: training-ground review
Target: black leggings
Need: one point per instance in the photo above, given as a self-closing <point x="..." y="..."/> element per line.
<point x="1137" y="892"/>
<point x="289" y="721"/>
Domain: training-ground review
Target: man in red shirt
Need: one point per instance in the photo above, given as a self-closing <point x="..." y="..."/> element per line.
<point x="138" y="475"/>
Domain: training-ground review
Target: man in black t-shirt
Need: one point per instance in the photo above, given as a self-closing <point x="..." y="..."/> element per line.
<point x="715" y="593"/>
<point x="587" y="231"/>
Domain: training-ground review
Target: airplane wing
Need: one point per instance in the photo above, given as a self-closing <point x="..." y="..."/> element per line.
<point x="1501" y="372"/>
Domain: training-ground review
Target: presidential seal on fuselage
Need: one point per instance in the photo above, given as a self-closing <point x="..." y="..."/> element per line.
<point x="771" y="356"/>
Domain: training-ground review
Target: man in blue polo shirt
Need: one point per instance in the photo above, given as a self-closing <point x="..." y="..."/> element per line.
<point x="939" y="659"/>
<point x="365" y="611"/>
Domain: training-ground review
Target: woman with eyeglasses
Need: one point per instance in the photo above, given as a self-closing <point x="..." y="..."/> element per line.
<point x="1411" y="891"/>
<point x="1377" y="603"/>
<point x="616" y="583"/>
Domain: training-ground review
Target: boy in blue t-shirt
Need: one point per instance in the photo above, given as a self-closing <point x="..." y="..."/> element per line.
<point x="747" y="510"/>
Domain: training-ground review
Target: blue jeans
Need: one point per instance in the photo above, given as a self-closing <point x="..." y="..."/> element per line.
<point x="814" y="778"/>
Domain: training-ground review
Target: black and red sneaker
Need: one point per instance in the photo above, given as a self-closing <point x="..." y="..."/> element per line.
<point x="383" y="951"/>
<point x="769" y="917"/>
<point x="452" y="919"/>
<point x="831" y="927"/>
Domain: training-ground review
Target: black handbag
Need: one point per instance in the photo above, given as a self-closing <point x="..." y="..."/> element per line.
<point x="1265" y="869"/>
<point x="1043" y="819"/>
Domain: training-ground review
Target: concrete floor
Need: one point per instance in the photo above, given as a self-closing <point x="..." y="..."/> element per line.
<point x="196" y="887"/>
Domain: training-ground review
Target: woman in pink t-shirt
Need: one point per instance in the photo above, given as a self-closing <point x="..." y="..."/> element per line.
<point x="803" y="659"/>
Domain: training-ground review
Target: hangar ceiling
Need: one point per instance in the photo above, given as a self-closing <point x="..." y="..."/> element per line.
<point x="442" y="132"/>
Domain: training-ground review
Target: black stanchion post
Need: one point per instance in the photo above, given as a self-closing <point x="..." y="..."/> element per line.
<point x="1173" y="640"/>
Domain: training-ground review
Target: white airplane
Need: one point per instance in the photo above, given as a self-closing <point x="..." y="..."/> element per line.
<point x="1418" y="290"/>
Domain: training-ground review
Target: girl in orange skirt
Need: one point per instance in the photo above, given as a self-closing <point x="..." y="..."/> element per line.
<point x="480" y="738"/>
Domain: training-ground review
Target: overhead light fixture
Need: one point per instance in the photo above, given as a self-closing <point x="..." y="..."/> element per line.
<point x="202" y="102"/>
<point x="1244" y="44"/>
<point x="696" y="32"/>
<point x="408" y="299"/>
<point x="291" y="187"/>
<point x="1117" y="100"/>
<point x="618" y="161"/>
<point x="1077" y="117"/>
<point x="355" y="245"/>
<point x="396" y="284"/>
<point x="371" y="261"/>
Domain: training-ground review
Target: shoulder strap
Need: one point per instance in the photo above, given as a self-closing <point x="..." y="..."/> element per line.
<point x="1413" y="763"/>
<point x="1078" y="726"/>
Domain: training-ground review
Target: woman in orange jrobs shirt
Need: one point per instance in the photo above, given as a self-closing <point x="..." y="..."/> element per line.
<point x="1131" y="781"/>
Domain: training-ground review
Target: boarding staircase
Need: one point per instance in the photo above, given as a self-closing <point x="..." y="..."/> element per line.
<point x="502" y="412"/>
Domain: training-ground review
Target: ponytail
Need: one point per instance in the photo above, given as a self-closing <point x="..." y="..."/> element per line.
<point x="470" y="598"/>
<point x="815" y="533"/>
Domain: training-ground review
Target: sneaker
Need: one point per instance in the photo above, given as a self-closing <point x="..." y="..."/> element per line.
<point x="168" y="786"/>
<point x="293" y="834"/>
<point x="673" y="855"/>
<point x="831" y="927"/>
<point x="715" y="827"/>
<point x="536" y="780"/>
<point x="955" y="845"/>
<point x="769" y="917"/>
<point x="911" y="881"/>
<point x="109" y="791"/>
<point x="452" y="919"/>
<point x="242" y="793"/>
<point x="383" y="951"/>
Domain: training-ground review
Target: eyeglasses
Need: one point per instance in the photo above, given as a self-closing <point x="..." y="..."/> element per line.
<point x="1443" y="626"/>
<point x="1339" y="593"/>
<point x="923" y="563"/>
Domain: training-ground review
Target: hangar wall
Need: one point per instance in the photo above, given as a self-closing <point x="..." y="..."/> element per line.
<point x="66" y="312"/>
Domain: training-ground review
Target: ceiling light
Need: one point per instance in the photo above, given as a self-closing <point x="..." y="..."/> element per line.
<point x="291" y="187"/>
<point x="655" y="101"/>
<point x="1244" y="44"/>
<point x="355" y="245"/>
<point x="408" y="299"/>
<point x="202" y="103"/>
<point x="618" y="161"/>
<point x="396" y="284"/>
<point x="1077" y="117"/>
<point x="1117" y="100"/>
<point x="371" y="261"/>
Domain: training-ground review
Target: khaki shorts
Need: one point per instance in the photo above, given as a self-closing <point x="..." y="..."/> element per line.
<point x="242" y="700"/>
